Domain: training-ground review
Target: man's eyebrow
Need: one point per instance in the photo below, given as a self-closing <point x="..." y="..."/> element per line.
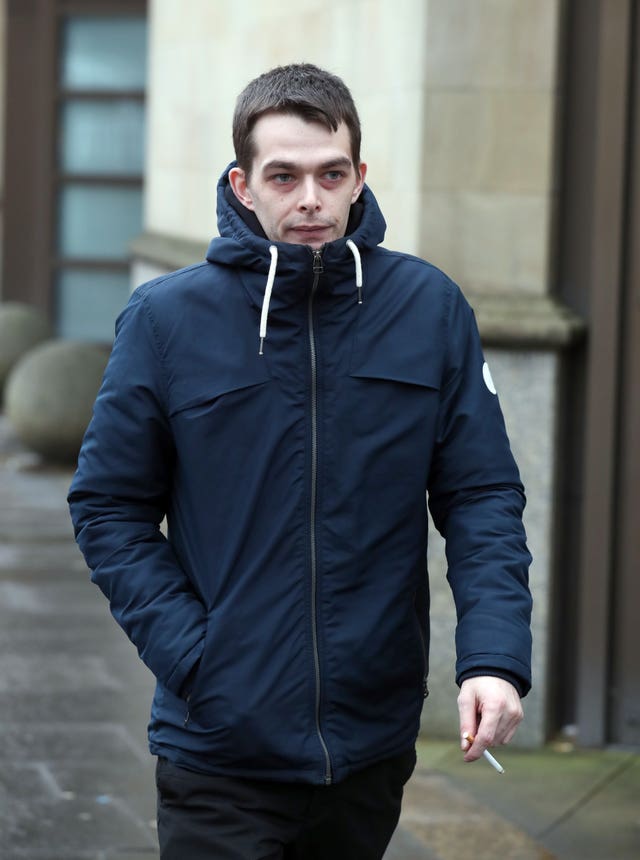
<point x="279" y="165"/>
<point x="276" y="164"/>
<point x="342" y="161"/>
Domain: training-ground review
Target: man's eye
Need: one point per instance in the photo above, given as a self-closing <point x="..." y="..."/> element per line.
<point x="282" y="178"/>
<point x="334" y="175"/>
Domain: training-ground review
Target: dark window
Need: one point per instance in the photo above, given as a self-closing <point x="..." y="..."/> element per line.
<point x="100" y="123"/>
<point x="74" y="157"/>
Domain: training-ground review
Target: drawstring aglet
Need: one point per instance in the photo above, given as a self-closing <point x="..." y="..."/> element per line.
<point x="359" y="295"/>
<point x="261" y="351"/>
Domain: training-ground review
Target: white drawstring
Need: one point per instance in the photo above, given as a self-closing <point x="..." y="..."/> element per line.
<point x="356" y="256"/>
<point x="267" y="295"/>
<point x="272" y="276"/>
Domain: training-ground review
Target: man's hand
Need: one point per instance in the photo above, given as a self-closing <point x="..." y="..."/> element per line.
<point x="490" y="711"/>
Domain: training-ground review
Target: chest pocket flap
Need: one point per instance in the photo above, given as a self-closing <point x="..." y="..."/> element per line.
<point x="211" y="377"/>
<point x="396" y="357"/>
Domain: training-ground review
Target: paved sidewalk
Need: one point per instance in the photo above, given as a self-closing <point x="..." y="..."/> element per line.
<point x="557" y="802"/>
<point x="76" y="780"/>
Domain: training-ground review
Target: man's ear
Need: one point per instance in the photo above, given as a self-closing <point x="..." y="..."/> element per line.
<point x="238" y="183"/>
<point x="362" y="172"/>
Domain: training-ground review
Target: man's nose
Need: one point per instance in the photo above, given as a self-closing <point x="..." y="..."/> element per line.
<point x="309" y="200"/>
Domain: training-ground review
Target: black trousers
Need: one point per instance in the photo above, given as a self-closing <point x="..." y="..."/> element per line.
<point x="205" y="817"/>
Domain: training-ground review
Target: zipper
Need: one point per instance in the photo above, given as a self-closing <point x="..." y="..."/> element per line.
<point x="425" y="677"/>
<point x="423" y="645"/>
<point x="318" y="268"/>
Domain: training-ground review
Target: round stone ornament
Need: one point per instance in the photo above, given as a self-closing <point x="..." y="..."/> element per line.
<point x="21" y="328"/>
<point x="49" y="396"/>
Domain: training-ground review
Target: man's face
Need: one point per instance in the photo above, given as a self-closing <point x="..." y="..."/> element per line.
<point x="302" y="180"/>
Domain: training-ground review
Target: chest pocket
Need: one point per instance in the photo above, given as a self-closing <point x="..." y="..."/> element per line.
<point x="419" y="379"/>
<point x="397" y="342"/>
<point x="208" y="392"/>
<point x="395" y="394"/>
<point x="403" y="363"/>
<point x="207" y="377"/>
<point x="393" y="408"/>
<point x="218" y="420"/>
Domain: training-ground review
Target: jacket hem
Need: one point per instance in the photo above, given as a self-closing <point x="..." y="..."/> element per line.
<point x="310" y="775"/>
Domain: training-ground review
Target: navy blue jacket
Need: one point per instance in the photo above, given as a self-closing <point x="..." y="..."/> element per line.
<point x="285" y="614"/>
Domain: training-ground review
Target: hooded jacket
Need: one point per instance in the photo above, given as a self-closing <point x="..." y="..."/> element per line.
<point x="288" y="411"/>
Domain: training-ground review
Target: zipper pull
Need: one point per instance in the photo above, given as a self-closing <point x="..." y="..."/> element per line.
<point x="318" y="268"/>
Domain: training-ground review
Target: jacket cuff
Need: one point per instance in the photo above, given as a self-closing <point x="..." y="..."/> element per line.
<point x="516" y="681"/>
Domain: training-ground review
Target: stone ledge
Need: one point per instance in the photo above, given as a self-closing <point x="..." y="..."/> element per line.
<point x="514" y="320"/>
<point x="170" y="252"/>
<point x="507" y="320"/>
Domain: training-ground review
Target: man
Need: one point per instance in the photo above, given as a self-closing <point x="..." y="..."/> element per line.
<point x="286" y="404"/>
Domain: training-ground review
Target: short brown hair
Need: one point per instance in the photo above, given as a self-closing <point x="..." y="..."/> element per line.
<point x="300" y="89"/>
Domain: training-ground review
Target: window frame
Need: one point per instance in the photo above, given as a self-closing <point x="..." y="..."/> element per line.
<point x="32" y="178"/>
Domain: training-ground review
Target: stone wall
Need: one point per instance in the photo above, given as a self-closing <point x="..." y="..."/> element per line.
<point x="487" y="153"/>
<point x="200" y="61"/>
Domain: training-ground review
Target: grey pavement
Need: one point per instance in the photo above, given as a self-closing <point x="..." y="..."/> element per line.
<point x="76" y="779"/>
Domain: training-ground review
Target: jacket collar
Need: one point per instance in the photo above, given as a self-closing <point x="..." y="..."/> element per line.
<point x="243" y="245"/>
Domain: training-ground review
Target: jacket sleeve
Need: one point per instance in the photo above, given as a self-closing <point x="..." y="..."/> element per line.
<point x="476" y="500"/>
<point x="118" y="499"/>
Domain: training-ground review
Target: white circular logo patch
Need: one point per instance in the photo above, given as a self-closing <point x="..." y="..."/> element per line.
<point x="488" y="379"/>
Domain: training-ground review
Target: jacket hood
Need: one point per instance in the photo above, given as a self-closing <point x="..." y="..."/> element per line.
<point x="243" y="244"/>
<point x="242" y="241"/>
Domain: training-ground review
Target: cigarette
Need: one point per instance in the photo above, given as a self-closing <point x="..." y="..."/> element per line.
<point x="492" y="761"/>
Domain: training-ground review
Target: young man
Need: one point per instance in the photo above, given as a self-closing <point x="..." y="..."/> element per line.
<point x="287" y="404"/>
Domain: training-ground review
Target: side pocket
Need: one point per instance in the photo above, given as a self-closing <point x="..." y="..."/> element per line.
<point x="187" y="715"/>
<point x="188" y="686"/>
<point x="199" y="686"/>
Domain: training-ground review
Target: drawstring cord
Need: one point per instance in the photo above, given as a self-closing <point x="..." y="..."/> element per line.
<point x="267" y="295"/>
<point x="356" y="256"/>
<point x="264" y="316"/>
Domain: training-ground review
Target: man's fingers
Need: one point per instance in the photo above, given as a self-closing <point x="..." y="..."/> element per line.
<point x="490" y="711"/>
<point x="510" y="717"/>
<point x="510" y="733"/>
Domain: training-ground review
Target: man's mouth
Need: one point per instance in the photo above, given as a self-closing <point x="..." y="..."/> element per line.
<point x="310" y="234"/>
<point x="310" y="228"/>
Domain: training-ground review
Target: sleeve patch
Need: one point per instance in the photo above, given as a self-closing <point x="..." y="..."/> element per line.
<point x="488" y="379"/>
